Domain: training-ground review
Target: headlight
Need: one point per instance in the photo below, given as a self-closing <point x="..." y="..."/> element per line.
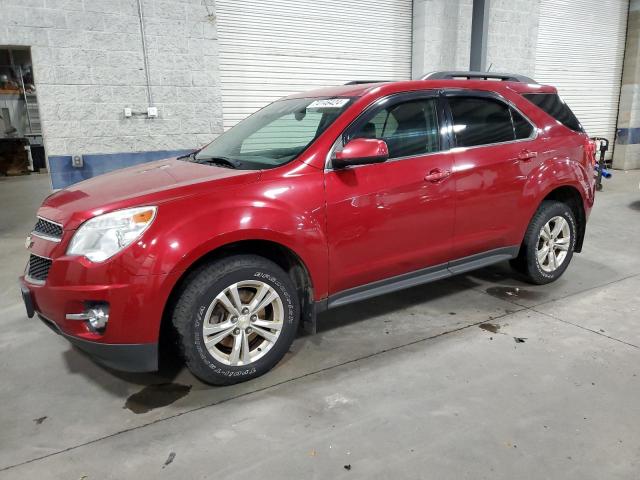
<point x="105" y="235"/>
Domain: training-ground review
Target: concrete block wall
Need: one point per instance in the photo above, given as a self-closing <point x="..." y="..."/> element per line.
<point x="626" y="154"/>
<point x="513" y="35"/>
<point x="442" y="35"/>
<point x="88" y="65"/>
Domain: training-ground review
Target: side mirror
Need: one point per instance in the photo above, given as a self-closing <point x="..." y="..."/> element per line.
<point x="361" y="151"/>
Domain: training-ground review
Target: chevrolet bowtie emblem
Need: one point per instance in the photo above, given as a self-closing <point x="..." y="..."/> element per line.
<point x="28" y="243"/>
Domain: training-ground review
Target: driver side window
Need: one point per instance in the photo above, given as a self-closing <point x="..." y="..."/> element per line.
<point x="409" y="128"/>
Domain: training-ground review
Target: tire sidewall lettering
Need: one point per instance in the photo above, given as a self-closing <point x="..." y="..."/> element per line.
<point x="556" y="273"/>
<point x="203" y="303"/>
<point x="283" y="291"/>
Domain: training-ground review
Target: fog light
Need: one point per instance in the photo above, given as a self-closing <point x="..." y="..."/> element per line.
<point x="99" y="318"/>
<point x="95" y="315"/>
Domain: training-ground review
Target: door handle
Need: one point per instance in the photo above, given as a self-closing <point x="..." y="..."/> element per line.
<point x="527" y="155"/>
<point x="436" y="175"/>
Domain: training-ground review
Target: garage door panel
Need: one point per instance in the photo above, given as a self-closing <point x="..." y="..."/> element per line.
<point x="580" y="50"/>
<point x="334" y="8"/>
<point x="350" y="51"/>
<point x="276" y="48"/>
<point x="246" y="61"/>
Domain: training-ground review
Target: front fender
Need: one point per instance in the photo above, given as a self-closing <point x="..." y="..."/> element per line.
<point x="289" y="213"/>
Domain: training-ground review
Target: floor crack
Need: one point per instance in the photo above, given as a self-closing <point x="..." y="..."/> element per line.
<point x="583" y="328"/>
<point x="533" y="308"/>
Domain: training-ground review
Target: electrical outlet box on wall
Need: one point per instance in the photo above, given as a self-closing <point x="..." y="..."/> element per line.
<point x="77" y="161"/>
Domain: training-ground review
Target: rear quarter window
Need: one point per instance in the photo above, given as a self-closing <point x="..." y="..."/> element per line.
<point x="522" y="127"/>
<point x="552" y="104"/>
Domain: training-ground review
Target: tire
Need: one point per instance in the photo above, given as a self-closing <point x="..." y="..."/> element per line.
<point x="207" y="307"/>
<point x="553" y="215"/>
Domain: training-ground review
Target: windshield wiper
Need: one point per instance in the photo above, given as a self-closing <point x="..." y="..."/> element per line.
<point x="189" y="156"/>
<point x="221" y="161"/>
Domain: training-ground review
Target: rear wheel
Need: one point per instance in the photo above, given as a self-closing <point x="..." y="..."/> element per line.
<point x="548" y="244"/>
<point x="236" y="318"/>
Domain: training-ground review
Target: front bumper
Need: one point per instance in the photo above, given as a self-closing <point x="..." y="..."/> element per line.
<point x="132" y="287"/>
<point x="133" y="357"/>
<point x="130" y="340"/>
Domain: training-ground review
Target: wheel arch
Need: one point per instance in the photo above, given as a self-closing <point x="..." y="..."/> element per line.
<point x="570" y="195"/>
<point x="281" y="255"/>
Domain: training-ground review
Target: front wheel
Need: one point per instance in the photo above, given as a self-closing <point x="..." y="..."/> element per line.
<point x="236" y="318"/>
<point x="548" y="244"/>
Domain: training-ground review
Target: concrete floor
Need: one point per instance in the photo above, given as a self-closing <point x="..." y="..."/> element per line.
<point x="410" y="385"/>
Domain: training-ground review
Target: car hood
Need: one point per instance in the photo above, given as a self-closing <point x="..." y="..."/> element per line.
<point x="151" y="183"/>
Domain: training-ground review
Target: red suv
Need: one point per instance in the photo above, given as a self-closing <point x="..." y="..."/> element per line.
<point x="318" y="200"/>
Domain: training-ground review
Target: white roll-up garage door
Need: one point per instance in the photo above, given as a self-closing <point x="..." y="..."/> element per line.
<point x="580" y="51"/>
<point x="273" y="48"/>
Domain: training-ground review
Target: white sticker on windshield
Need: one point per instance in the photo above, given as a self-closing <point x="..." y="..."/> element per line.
<point x="329" y="103"/>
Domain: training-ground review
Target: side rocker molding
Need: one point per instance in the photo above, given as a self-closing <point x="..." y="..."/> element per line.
<point x="484" y="259"/>
<point x="418" y="277"/>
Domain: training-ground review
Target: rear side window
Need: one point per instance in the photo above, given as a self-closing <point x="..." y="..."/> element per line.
<point x="552" y="104"/>
<point x="483" y="121"/>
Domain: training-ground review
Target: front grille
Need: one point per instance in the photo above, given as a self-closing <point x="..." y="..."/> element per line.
<point x="48" y="229"/>
<point x="38" y="267"/>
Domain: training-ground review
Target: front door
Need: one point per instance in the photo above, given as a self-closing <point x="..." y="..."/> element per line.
<point x="395" y="217"/>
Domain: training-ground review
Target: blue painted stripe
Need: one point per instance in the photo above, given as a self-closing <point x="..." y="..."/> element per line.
<point x="64" y="174"/>
<point x="628" y="136"/>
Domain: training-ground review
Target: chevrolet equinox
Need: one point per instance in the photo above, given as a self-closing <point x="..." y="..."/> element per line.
<point x="318" y="200"/>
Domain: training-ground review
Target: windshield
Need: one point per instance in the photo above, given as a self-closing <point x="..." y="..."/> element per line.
<point x="274" y="135"/>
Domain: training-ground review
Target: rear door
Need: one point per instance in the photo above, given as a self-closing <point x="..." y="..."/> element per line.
<point x="392" y="218"/>
<point x="495" y="151"/>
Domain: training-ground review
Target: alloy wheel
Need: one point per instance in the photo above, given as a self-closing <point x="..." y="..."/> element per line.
<point x="554" y="242"/>
<point x="243" y="322"/>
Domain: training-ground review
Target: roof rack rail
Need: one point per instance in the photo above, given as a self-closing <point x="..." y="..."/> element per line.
<point x="451" y="75"/>
<point x="360" y="82"/>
